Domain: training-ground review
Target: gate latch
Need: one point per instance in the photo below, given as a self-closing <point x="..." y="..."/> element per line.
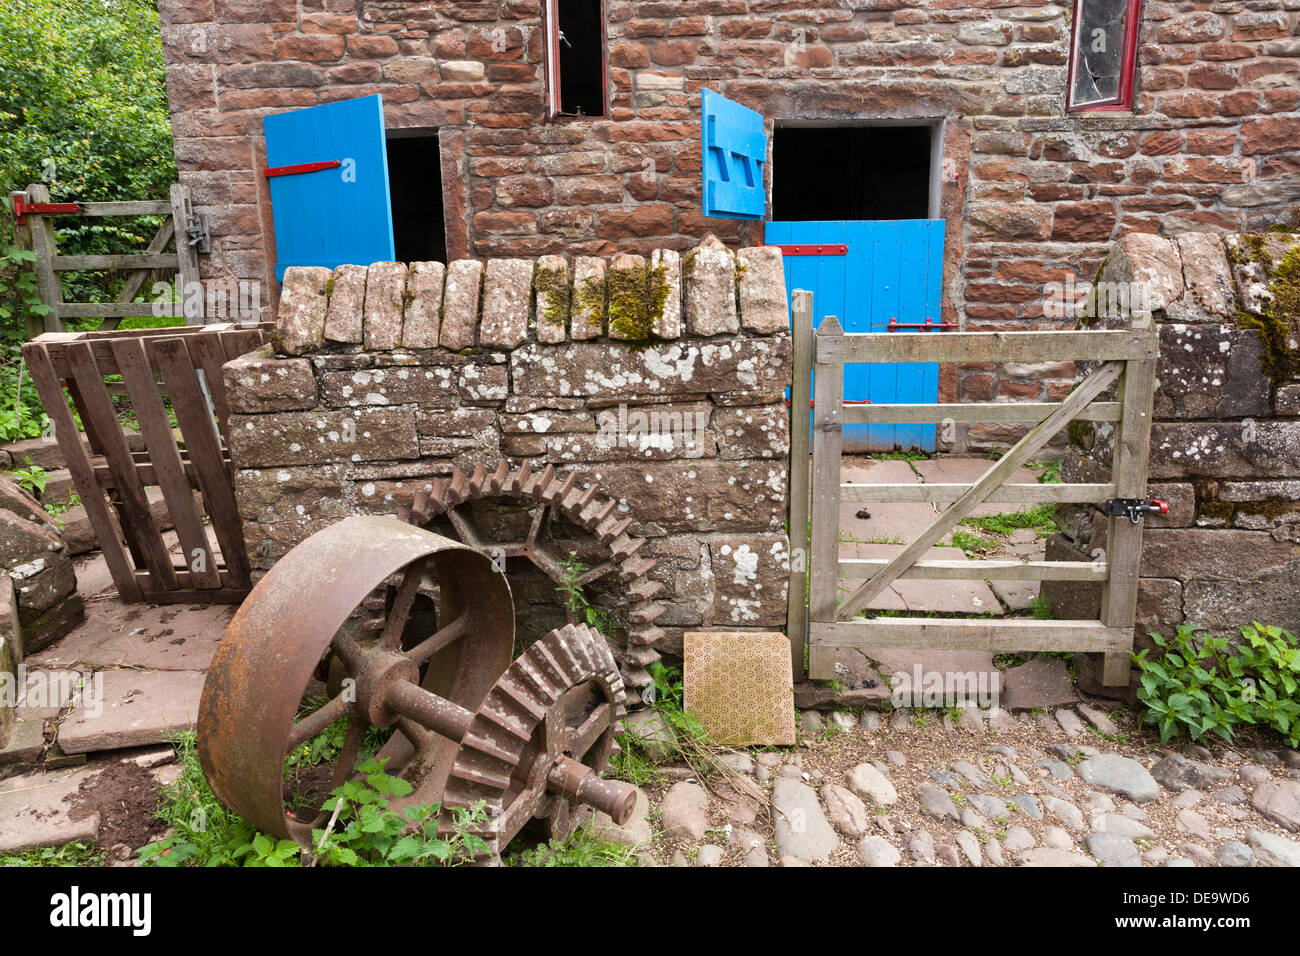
<point x="1133" y="508"/>
<point x="196" y="231"/>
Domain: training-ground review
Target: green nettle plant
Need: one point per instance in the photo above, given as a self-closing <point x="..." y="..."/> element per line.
<point x="364" y="831"/>
<point x="1200" y="685"/>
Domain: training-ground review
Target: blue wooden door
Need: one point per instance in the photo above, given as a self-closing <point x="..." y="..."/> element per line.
<point x="891" y="269"/>
<point x="327" y="167"/>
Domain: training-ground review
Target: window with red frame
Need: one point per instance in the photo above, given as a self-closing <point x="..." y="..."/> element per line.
<point x="1103" y="54"/>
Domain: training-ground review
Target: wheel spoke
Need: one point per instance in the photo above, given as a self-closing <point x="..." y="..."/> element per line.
<point x="441" y="638"/>
<point x="551" y="565"/>
<point x="588" y="732"/>
<point x="541" y="521"/>
<point x="402" y="602"/>
<point x="307" y="728"/>
<point x="348" y="755"/>
<point x="465" y="528"/>
<point x="349" y="651"/>
<point x="599" y="571"/>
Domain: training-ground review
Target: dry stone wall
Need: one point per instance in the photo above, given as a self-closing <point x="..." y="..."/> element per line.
<point x="659" y="380"/>
<point x="1225" y="443"/>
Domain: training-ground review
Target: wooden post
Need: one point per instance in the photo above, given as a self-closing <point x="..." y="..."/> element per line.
<point x="187" y="256"/>
<point x="1124" y="538"/>
<point x="827" y="442"/>
<point x="42" y="236"/>
<point x="796" y="621"/>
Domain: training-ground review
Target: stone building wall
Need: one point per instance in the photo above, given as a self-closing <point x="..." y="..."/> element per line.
<point x="1225" y="443"/>
<point x="1030" y="192"/>
<point x="660" y="383"/>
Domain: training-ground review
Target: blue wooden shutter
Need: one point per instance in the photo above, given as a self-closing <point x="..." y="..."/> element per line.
<point x="336" y="214"/>
<point x="734" y="151"/>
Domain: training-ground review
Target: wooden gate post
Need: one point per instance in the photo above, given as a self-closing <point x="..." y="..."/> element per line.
<point x="827" y="442"/>
<point x="187" y="256"/>
<point x="796" y="621"/>
<point x="1129" y="473"/>
<point x="41" y="230"/>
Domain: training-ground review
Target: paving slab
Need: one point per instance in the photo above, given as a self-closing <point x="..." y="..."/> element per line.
<point x="888" y="522"/>
<point x="859" y="684"/>
<point x="33" y="813"/>
<point x="176" y="637"/>
<point x="26" y="739"/>
<point x="1017" y="595"/>
<point x="965" y="471"/>
<point x="1042" y="682"/>
<point x="955" y="666"/>
<point x="138" y="707"/>
<point x="945" y="597"/>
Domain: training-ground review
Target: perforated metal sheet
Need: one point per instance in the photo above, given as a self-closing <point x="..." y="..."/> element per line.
<point x="739" y="686"/>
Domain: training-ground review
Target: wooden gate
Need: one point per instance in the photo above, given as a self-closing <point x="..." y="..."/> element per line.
<point x="183" y="229"/>
<point x="172" y="369"/>
<point x="1126" y="359"/>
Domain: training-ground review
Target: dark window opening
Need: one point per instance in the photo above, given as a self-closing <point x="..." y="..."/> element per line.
<point x="575" y="41"/>
<point x="822" y="173"/>
<point x="415" y="191"/>
<point x="1103" y="54"/>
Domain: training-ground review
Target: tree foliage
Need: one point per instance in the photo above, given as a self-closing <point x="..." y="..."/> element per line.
<point x="83" y="109"/>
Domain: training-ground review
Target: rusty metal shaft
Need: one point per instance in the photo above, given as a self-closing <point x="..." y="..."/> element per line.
<point x="571" y="778"/>
<point x="430" y="711"/>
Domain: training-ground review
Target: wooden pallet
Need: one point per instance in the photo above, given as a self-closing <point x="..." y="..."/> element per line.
<point x="178" y="366"/>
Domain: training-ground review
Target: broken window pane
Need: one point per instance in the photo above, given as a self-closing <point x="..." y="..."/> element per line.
<point x="1099" y="51"/>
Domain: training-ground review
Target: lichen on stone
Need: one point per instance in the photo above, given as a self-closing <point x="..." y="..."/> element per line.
<point x="636" y="300"/>
<point x="555" y="286"/>
<point x="1278" y="322"/>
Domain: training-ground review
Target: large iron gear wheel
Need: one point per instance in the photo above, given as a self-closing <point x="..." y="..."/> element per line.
<point x="584" y="508"/>
<point x="524" y="738"/>
<point x="542" y="737"/>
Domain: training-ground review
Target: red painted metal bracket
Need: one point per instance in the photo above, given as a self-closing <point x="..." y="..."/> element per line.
<point x="23" y="208"/>
<point x="815" y="249"/>
<point x="895" y="325"/>
<point x="301" y="168"/>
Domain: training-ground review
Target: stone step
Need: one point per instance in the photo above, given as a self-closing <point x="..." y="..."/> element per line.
<point x="79" y="537"/>
<point x="45" y="452"/>
<point x="132" y="708"/>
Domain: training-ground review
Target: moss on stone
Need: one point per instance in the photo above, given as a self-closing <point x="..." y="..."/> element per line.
<point x="1217" y="509"/>
<point x="636" y="301"/>
<point x="1080" y="434"/>
<point x="1272" y="507"/>
<point x="329" y="285"/>
<point x="589" y="299"/>
<point x="1279" y="320"/>
<point x="555" y="287"/>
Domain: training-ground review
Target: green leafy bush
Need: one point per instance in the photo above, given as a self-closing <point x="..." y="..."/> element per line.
<point x="1200" y="685"/>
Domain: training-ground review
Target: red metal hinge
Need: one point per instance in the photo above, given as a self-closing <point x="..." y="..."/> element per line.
<point x="22" y="208"/>
<point x="815" y="249"/>
<point x="301" y="168"/>
<point x="895" y="325"/>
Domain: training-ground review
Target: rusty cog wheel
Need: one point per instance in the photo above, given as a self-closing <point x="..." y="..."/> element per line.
<point x="584" y="508"/>
<point x="542" y="737"/>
